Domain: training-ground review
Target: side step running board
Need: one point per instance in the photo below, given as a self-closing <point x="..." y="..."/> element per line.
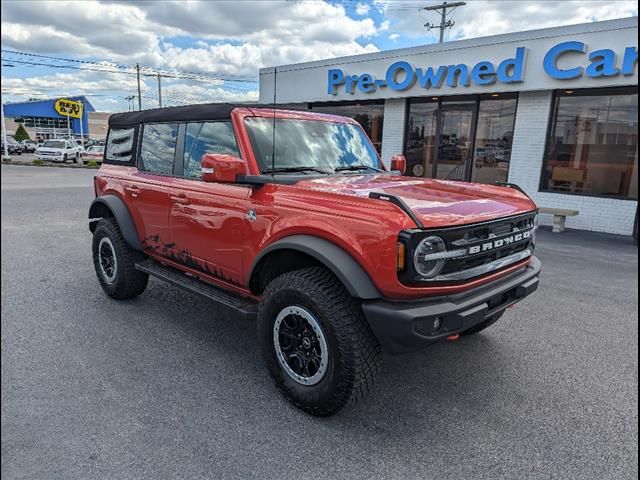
<point x="244" y="306"/>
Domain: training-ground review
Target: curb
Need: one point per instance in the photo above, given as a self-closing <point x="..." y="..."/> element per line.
<point x="51" y="165"/>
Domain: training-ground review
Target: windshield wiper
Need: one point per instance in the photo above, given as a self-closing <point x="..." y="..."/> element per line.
<point x="357" y="167"/>
<point x="294" y="170"/>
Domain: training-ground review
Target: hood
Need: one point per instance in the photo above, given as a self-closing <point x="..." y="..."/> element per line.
<point x="437" y="203"/>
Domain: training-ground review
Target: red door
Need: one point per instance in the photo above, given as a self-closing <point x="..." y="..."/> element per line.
<point x="147" y="196"/>
<point x="207" y="223"/>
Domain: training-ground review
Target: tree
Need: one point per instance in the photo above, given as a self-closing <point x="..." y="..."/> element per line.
<point x="21" y="134"/>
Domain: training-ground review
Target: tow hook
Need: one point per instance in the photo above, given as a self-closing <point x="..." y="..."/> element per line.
<point x="454" y="337"/>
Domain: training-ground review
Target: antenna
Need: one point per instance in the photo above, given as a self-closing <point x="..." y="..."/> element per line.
<point x="442" y="10"/>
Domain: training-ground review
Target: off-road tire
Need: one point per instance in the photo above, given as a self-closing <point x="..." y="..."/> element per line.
<point x="65" y="158"/>
<point x="482" y="325"/>
<point x="128" y="282"/>
<point x="354" y="354"/>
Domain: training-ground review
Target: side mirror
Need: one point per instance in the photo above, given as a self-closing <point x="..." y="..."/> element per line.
<point x="399" y="162"/>
<point x="219" y="167"/>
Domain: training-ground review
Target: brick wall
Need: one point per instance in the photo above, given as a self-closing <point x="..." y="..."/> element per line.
<point x="596" y="214"/>
<point x="393" y="128"/>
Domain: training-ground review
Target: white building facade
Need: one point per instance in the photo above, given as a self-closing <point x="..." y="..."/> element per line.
<point x="554" y="111"/>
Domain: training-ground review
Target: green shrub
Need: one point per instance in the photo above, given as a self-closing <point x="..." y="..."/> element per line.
<point x="38" y="162"/>
<point x="92" y="164"/>
<point x="21" y="134"/>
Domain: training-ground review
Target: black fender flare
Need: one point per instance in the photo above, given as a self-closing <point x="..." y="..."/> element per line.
<point x="122" y="215"/>
<point x="341" y="263"/>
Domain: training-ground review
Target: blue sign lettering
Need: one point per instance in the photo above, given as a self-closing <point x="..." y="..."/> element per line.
<point x="551" y="59"/>
<point x="511" y="69"/>
<point x="401" y="75"/>
<point x="429" y="78"/>
<point x="400" y="69"/>
<point x="603" y="64"/>
<point x="630" y="60"/>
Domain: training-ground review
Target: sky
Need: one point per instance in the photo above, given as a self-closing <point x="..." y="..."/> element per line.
<point x="209" y="51"/>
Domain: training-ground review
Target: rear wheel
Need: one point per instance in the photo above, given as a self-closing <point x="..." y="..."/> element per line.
<point x="483" y="325"/>
<point x="114" y="261"/>
<point x="316" y="342"/>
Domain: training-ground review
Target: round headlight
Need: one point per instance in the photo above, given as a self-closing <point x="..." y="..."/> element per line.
<point x="427" y="258"/>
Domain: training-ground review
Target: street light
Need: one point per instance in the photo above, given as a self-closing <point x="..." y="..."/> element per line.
<point x="5" y="153"/>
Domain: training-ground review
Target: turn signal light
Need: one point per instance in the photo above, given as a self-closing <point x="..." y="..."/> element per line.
<point x="401" y="256"/>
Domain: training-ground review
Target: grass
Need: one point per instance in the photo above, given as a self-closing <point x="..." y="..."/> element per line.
<point x="92" y="164"/>
<point x="38" y="162"/>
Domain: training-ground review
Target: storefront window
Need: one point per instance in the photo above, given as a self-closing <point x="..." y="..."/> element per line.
<point x="369" y="115"/>
<point x="461" y="138"/>
<point x="592" y="147"/>
<point x="421" y="138"/>
<point x="494" y="136"/>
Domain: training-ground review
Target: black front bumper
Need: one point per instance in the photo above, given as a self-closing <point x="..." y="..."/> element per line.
<point x="407" y="326"/>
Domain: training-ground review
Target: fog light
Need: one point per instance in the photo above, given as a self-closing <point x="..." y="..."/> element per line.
<point x="437" y="324"/>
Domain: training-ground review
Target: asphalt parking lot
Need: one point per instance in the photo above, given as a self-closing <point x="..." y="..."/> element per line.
<point x="168" y="386"/>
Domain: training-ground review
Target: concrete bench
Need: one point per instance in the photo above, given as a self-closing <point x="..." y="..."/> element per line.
<point x="559" y="217"/>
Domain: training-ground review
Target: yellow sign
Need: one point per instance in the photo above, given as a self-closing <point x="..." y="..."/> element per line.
<point x="68" y="107"/>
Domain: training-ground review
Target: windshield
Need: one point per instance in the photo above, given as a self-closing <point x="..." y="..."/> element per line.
<point x="95" y="149"/>
<point x="310" y="143"/>
<point x="53" y="144"/>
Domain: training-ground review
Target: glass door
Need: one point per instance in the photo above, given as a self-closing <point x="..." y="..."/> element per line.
<point x="455" y="142"/>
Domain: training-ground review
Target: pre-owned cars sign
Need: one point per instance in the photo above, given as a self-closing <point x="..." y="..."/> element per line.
<point x="68" y="107"/>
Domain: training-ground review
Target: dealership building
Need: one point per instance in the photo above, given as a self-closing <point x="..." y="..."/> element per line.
<point x="554" y="111"/>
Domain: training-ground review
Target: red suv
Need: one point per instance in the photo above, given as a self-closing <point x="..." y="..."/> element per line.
<point x="291" y="218"/>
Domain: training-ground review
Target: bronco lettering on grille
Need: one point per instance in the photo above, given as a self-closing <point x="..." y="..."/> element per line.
<point x="499" y="243"/>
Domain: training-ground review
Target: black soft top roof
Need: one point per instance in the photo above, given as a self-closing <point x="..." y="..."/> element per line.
<point x="208" y="111"/>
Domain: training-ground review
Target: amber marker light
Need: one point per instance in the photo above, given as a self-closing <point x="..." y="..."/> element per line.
<point x="401" y="256"/>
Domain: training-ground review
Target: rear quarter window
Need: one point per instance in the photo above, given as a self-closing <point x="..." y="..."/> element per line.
<point x="119" y="148"/>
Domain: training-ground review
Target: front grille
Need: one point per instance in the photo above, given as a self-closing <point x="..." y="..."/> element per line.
<point x="494" y="245"/>
<point x="459" y="238"/>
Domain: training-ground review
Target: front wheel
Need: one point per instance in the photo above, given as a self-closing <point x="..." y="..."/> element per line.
<point x="315" y="341"/>
<point x="114" y="261"/>
<point x="64" y="158"/>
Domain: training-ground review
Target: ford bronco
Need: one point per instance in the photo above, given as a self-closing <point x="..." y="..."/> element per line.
<point x="291" y="218"/>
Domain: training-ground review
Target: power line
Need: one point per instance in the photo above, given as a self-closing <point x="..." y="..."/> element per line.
<point x="152" y="71"/>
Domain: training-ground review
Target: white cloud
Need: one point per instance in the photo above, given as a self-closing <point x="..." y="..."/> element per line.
<point x="483" y="17"/>
<point x="270" y="33"/>
<point x="394" y="36"/>
<point x="362" y="9"/>
<point x="233" y="38"/>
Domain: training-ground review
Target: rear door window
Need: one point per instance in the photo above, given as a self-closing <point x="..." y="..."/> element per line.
<point x="158" y="147"/>
<point x="206" y="137"/>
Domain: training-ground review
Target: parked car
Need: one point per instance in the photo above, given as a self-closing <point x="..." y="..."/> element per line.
<point x="58" y="151"/>
<point x="93" y="153"/>
<point x="29" y="146"/>
<point x="305" y="229"/>
<point x="13" y="147"/>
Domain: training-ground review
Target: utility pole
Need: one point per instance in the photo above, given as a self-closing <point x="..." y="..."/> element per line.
<point x="159" y="92"/>
<point x="81" y="123"/>
<point x="5" y="153"/>
<point x="442" y="10"/>
<point x="139" y="92"/>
